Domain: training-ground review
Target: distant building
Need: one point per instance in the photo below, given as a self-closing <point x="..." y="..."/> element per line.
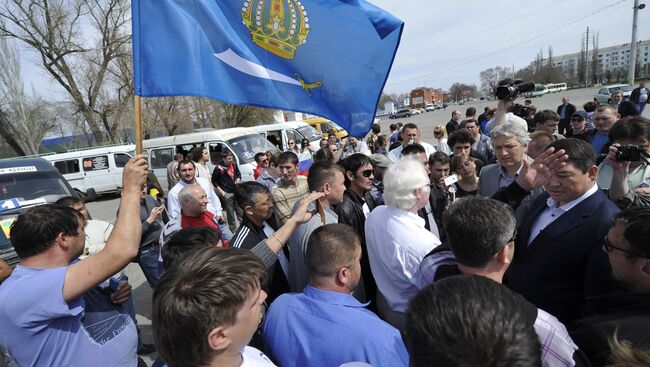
<point x="420" y="97"/>
<point x="610" y="59"/>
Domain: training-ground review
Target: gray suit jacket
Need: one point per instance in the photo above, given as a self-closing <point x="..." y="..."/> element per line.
<point x="488" y="185"/>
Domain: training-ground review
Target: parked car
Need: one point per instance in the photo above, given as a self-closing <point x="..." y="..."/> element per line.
<point x="404" y="112"/>
<point x="95" y="170"/>
<point x="25" y="183"/>
<point x="430" y="107"/>
<point x="604" y="94"/>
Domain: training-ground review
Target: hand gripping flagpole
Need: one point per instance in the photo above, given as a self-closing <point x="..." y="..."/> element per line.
<point x="138" y="125"/>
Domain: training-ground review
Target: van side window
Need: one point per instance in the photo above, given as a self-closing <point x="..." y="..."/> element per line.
<point x="69" y="166"/>
<point x="214" y="148"/>
<point x="160" y="158"/>
<point x="121" y="159"/>
<point x="275" y="137"/>
<point x="95" y="163"/>
<point x="291" y="136"/>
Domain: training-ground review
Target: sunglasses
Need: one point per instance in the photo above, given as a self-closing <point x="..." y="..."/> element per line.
<point x="367" y="173"/>
<point x="264" y="160"/>
<point x="577" y="120"/>
<point x="291" y="143"/>
<point x="608" y="247"/>
<point x="335" y="150"/>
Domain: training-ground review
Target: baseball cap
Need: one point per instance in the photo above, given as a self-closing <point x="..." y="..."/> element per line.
<point x="379" y="160"/>
<point x="580" y="114"/>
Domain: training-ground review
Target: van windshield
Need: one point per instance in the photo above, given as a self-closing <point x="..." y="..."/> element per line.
<point x="245" y="147"/>
<point x="310" y="133"/>
<point x="33" y="185"/>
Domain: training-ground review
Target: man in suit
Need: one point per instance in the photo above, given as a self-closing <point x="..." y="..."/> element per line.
<point x="565" y="110"/>
<point x="558" y="261"/>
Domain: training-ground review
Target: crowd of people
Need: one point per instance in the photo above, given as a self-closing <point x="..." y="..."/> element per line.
<point x="511" y="240"/>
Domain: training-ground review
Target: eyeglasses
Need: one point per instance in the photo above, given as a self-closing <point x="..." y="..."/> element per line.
<point x="262" y="161"/>
<point x="291" y="143"/>
<point x="514" y="237"/>
<point x="577" y="120"/>
<point x="608" y="247"/>
<point x="367" y="173"/>
<point x="335" y="150"/>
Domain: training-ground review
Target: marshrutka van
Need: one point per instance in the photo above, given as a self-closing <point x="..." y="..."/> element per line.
<point x="94" y="170"/>
<point x="242" y="142"/>
<point x="280" y="134"/>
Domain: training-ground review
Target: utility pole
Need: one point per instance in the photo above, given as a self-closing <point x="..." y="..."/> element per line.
<point x="632" y="66"/>
<point x="587" y="60"/>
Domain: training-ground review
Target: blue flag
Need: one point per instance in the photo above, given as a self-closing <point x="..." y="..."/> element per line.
<point x="329" y="58"/>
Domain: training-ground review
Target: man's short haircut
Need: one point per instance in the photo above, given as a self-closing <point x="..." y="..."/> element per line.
<point x="617" y="92"/>
<point x="329" y="248"/>
<point x="69" y="201"/>
<point x="247" y="193"/>
<point x="539" y="135"/>
<point x="186" y="240"/>
<point x="460" y="136"/>
<point x="439" y="157"/>
<point x="590" y="106"/>
<point x="393" y="127"/>
<point x="607" y="107"/>
<point x="34" y="231"/>
<point x="274" y="159"/>
<point x="469" y="112"/>
<point x="580" y="153"/>
<point x="288" y="157"/>
<point x="354" y="162"/>
<point x="469" y="320"/>
<point x="545" y="115"/>
<point x="636" y="223"/>
<point x="323" y="155"/>
<point x="204" y="291"/>
<point x="178" y="156"/>
<point x="185" y="195"/>
<point x="401" y="180"/>
<point x="630" y="128"/>
<point x="320" y="173"/>
<point x="185" y="162"/>
<point x="376" y="128"/>
<point x="257" y="156"/>
<point x="410" y="125"/>
<point x="510" y="130"/>
<point x="463" y="125"/>
<point x="412" y="150"/>
<point x="477" y="228"/>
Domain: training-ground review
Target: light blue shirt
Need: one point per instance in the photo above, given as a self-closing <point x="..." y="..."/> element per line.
<point x="326" y="328"/>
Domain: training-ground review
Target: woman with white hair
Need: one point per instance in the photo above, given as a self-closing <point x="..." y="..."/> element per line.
<point x="397" y="240"/>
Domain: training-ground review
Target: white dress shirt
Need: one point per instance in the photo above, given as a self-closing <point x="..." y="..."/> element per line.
<point x="394" y="155"/>
<point x="397" y="242"/>
<point x="553" y="212"/>
<point x="174" y="207"/>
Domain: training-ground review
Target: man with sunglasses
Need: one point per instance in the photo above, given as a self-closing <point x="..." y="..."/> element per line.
<point x="486" y="248"/>
<point x="353" y="210"/>
<point x="625" y="314"/>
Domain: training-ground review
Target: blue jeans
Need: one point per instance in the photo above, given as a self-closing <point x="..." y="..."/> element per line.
<point x="148" y="261"/>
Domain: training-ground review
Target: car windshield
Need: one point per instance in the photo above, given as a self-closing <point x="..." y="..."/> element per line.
<point x="33" y="185"/>
<point x="245" y="147"/>
<point x="310" y="133"/>
<point x="624" y="88"/>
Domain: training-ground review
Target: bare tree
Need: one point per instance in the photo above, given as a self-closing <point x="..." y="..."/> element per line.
<point x="54" y="28"/>
<point x="23" y="122"/>
<point x="490" y="78"/>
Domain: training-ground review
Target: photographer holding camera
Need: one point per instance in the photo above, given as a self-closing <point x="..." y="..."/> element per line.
<point x="626" y="171"/>
<point x="507" y="111"/>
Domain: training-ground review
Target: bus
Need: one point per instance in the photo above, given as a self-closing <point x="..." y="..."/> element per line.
<point x="539" y="91"/>
<point x="556" y="87"/>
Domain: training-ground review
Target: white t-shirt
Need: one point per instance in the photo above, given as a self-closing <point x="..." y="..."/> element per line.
<point x="254" y="358"/>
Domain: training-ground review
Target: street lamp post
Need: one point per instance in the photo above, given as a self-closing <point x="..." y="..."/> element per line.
<point x="632" y="66"/>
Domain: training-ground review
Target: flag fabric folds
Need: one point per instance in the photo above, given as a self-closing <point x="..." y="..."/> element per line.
<point x="329" y="58"/>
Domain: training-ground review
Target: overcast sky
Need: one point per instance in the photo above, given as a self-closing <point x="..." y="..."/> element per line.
<point x="452" y="41"/>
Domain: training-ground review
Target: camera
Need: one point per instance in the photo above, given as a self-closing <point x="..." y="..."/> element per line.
<point x="510" y="88"/>
<point x="519" y="110"/>
<point x="631" y="153"/>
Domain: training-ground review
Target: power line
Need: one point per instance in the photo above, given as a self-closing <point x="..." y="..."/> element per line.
<point x="481" y="56"/>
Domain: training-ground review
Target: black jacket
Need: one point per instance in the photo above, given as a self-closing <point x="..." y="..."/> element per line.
<point x="636" y="92"/>
<point x="626" y="314"/>
<point x="452" y="126"/>
<point x="350" y="212"/>
<point x="221" y="178"/>
<point x="570" y="110"/>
